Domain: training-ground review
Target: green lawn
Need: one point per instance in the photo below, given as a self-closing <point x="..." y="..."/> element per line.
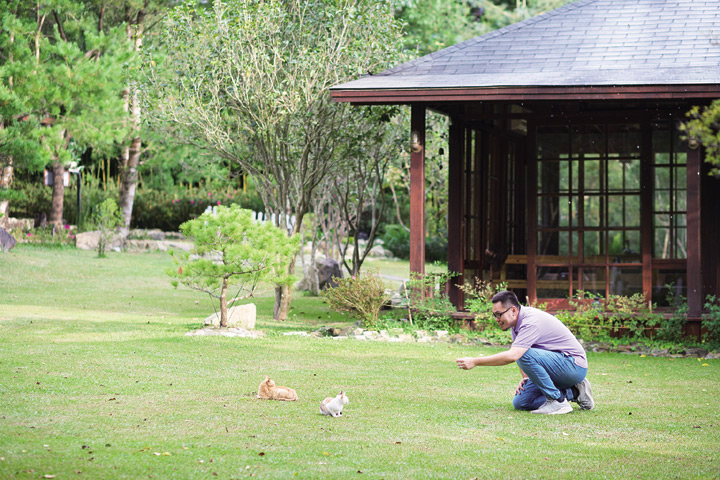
<point x="98" y="380"/>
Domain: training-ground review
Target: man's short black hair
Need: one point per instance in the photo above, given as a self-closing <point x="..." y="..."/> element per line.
<point x="507" y="298"/>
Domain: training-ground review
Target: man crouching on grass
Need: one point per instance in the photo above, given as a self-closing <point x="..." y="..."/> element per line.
<point x="552" y="362"/>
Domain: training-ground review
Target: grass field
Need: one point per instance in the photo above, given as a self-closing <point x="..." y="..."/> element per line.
<point x="98" y="380"/>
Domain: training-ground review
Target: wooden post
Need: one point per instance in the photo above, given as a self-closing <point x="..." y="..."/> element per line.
<point x="694" y="260"/>
<point x="531" y="214"/>
<point x="417" y="189"/>
<point x="646" y="209"/>
<point x="456" y="164"/>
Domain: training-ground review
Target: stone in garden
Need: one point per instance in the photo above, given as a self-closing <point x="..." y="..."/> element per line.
<point x="90" y="240"/>
<point x="378" y="251"/>
<point x="7" y="241"/>
<point x="240" y="316"/>
<point x="327" y="268"/>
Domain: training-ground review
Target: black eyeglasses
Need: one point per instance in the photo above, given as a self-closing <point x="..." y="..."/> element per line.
<point x="500" y="314"/>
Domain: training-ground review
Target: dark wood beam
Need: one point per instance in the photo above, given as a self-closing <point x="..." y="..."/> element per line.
<point x="694" y="237"/>
<point x="610" y="92"/>
<point x="456" y="145"/>
<point x="417" y="189"/>
<point x="646" y="208"/>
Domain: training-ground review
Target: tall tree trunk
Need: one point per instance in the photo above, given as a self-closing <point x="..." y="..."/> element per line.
<point x="131" y="155"/>
<point x="224" y="303"/>
<point x="283" y="296"/>
<point x="128" y="181"/>
<point x="58" y="193"/>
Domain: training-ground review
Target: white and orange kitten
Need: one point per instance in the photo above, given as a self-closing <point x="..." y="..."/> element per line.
<point x="333" y="406"/>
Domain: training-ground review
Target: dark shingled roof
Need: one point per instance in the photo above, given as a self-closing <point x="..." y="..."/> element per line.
<point x="586" y="43"/>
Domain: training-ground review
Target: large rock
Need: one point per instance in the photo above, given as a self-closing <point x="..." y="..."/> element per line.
<point x="90" y="240"/>
<point x="7" y="241"/>
<point x="240" y="316"/>
<point x="327" y="268"/>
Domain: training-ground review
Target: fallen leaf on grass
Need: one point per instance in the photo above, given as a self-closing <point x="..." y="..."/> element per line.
<point x="48" y="476"/>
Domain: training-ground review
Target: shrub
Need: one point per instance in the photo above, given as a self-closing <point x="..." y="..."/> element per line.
<point x="362" y="295"/>
<point x="105" y="218"/>
<point x="671" y="329"/>
<point x="595" y="319"/>
<point x="397" y="240"/>
<point x="712" y="321"/>
<point x="479" y="301"/>
<point x="429" y="305"/>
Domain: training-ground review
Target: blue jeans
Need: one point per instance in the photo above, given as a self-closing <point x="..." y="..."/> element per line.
<point x="550" y="374"/>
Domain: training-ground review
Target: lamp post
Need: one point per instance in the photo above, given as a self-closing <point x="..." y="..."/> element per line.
<point x="75" y="170"/>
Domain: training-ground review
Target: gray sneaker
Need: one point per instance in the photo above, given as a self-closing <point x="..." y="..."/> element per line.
<point x="585" y="399"/>
<point x="553" y="407"/>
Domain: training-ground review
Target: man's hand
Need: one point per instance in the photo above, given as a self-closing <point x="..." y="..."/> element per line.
<point x="521" y="386"/>
<point x="466" y="363"/>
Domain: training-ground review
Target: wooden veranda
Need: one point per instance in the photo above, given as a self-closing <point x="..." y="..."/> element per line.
<point x="567" y="170"/>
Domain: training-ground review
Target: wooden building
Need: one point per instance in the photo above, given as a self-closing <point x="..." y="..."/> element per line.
<point x="567" y="170"/>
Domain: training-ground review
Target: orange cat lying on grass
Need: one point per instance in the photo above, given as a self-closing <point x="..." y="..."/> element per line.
<point x="269" y="391"/>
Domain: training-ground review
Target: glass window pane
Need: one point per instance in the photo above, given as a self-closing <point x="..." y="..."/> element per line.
<point x="566" y="211"/>
<point x="552" y="141"/>
<point x="661" y="201"/>
<point x="549" y="211"/>
<point x="624" y="140"/>
<point x="661" y="143"/>
<point x="680" y="250"/>
<point x="625" y="281"/>
<point x="662" y="239"/>
<point x="553" y="282"/>
<point x="624" y="246"/>
<point x="669" y="287"/>
<point x="593" y="244"/>
<point x="624" y="211"/>
<point x="593" y="280"/>
<point x="594" y="211"/>
<point x="662" y="177"/>
<point x="623" y="175"/>
<point x="588" y="141"/>
<point x="593" y="175"/>
<point x="680" y="179"/>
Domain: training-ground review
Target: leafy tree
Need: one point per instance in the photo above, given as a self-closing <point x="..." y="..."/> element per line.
<point x="134" y="16"/>
<point x="248" y="80"/>
<point x="63" y="82"/>
<point x="232" y="249"/>
<point x="704" y="128"/>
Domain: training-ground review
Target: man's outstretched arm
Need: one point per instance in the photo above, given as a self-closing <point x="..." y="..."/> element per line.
<point x="503" y="358"/>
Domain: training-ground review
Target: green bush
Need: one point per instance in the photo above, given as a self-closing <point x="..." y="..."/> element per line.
<point x="162" y="209"/>
<point x="431" y="311"/>
<point x="168" y="209"/>
<point x="712" y="321"/>
<point x="397" y="240"/>
<point x="594" y="319"/>
<point x="362" y="295"/>
<point x="106" y="218"/>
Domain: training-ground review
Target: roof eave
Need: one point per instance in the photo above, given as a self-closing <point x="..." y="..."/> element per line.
<point x="400" y="96"/>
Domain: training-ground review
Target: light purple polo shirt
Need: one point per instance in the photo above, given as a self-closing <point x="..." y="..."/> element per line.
<point x="538" y="329"/>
